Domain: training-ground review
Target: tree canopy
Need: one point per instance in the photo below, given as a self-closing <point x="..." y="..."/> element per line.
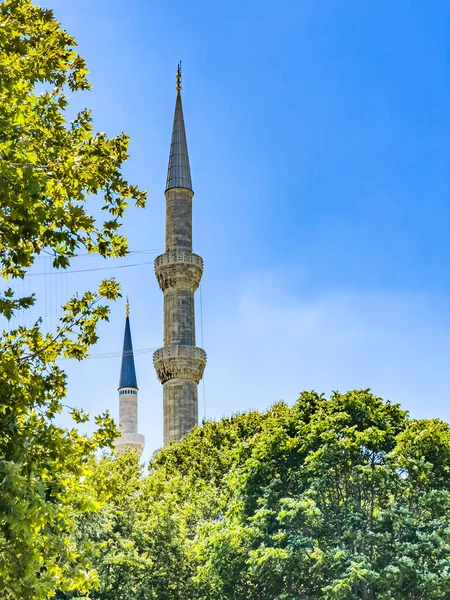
<point x="54" y="175"/>
<point x="330" y="499"/>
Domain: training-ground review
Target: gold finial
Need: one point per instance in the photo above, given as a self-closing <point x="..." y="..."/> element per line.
<point x="127" y="308"/>
<point x="179" y="77"/>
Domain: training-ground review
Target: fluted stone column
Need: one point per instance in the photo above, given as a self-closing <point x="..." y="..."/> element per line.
<point x="179" y="364"/>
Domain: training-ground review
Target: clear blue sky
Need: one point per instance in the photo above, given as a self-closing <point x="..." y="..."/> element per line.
<point x="319" y="138"/>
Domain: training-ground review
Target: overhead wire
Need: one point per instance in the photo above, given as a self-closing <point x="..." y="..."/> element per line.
<point x="50" y="295"/>
<point x="115" y="354"/>
<point x="148" y="251"/>
<point x="50" y="290"/>
<point x="70" y="271"/>
<point x="201" y="340"/>
<point x="45" y="296"/>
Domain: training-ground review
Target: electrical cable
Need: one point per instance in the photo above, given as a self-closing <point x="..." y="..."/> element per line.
<point x="114" y="354"/>
<point x="62" y="271"/>
<point x="201" y="340"/>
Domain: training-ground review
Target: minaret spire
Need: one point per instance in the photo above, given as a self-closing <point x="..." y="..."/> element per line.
<point x="128" y="395"/>
<point x="179" y="364"/>
<point x="179" y="172"/>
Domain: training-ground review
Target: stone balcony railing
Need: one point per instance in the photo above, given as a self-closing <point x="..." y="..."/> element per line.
<point x="136" y="441"/>
<point x="174" y="257"/>
<point x="179" y="351"/>
<point x="182" y="270"/>
<point x="186" y="363"/>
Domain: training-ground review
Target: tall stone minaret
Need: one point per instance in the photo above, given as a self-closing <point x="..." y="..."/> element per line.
<point x="128" y="396"/>
<point x="179" y="364"/>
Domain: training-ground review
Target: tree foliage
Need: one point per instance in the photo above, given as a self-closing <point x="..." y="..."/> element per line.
<point x="54" y="175"/>
<point x="49" y="167"/>
<point x="331" y="499"/>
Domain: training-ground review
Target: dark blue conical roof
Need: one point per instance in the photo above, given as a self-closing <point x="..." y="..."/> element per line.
<point x="127" y="371"/>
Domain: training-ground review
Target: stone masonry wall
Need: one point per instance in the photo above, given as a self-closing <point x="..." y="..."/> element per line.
<point x="128" y="412"/>
<point x="179" y="219"/>
<point x="180" y="408"/>
<point x="179" y="319"/>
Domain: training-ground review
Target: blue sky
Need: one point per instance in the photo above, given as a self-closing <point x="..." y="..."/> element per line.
<point x="319" y="139"/>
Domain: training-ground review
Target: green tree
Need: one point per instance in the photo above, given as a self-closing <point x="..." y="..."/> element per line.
<point x="341" y="499"/>
<point x="138" y="539"/>
<point x="331" y="499"/>
<point x="52" y="174"/>
<point x="144" y="540"/>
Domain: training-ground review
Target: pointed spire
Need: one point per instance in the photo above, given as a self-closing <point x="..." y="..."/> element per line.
<point x="179" y="172"/>
<point x="127" y="371"/>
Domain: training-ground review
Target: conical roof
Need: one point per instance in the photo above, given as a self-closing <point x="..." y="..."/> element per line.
<point x="127" y="371"/>
<point x="179" y="172"/>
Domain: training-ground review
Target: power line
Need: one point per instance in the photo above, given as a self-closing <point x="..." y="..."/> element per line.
<point x="148" y="251"/>
<point x="201" y="339"/>
<point x="64" y="272"/>
<point x="114" y="354"/>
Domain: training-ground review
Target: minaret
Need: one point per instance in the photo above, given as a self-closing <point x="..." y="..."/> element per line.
<point x="128" y="396"/>
<point x="179" y="364"/>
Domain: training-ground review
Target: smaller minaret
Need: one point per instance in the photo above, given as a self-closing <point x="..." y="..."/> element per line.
<point x="128" y="396"/>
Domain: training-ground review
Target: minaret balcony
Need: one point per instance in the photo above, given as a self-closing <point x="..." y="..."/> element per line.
<point x="179" y="362"/>
<point x="135" y="441"/>
<point x="182" y="270"/>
